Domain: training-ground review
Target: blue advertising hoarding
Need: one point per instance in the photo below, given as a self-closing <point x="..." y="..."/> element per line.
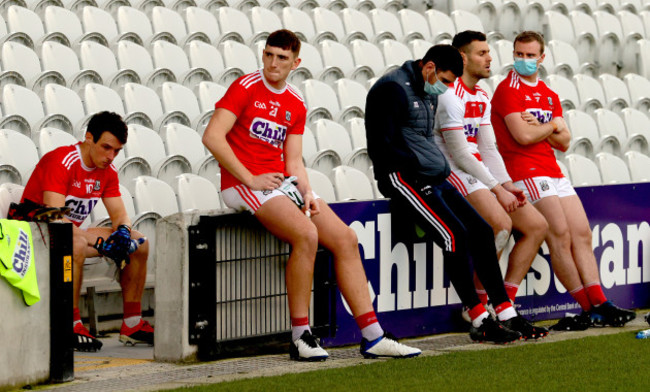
<point x="412" y="296"/>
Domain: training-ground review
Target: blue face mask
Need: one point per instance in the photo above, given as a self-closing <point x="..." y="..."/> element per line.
<point x="525" y="67"/>
<point x="435" y="89"/>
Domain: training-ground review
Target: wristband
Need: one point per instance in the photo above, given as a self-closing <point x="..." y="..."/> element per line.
<point x="124" y="226"/>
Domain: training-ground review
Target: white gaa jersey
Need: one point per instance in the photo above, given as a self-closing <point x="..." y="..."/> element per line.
<point x="461" y="108"/>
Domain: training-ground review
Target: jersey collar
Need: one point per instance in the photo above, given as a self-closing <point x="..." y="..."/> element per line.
<point x="271" y="88"/>
<point x="81" y="159"/>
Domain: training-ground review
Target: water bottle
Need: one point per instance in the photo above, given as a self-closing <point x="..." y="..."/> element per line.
<point x="645" y="334"/>
<point x="133" y="246"/>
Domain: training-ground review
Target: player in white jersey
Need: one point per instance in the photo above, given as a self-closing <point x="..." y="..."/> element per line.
<point x="463" y="132"/>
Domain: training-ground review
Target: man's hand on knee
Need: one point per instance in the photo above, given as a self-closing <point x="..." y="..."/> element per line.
<point x="116" y="246"/>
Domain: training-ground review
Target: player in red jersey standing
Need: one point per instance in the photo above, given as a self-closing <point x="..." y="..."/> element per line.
<point x="78" y="176"/>
<point x="527" y="148"/>
<point x="256" y="136"/>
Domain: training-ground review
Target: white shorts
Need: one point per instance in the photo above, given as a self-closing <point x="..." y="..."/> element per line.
<point x="537" y="188"/>
<point x="465" y="183"/>
<point x="243" y="198"/>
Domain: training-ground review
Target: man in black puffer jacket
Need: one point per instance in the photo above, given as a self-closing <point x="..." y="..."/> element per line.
<point x="411" y="170"/>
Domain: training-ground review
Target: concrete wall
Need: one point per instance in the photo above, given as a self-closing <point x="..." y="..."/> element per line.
<point x="25" y="332"/>
<point x="172" y="278"/>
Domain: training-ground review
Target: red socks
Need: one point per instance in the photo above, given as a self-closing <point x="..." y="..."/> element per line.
<point x="580" y="295"/>
<point x="595" y="293"/>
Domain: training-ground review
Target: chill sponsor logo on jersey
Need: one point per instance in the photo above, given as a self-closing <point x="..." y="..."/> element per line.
<point x="21" y="255"/>
<point x="543" y="116"/>
<point x="268" y="131"/>
<point x="79" y="208"/>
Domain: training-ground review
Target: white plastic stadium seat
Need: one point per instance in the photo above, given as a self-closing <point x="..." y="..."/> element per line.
<point x="98" y="98"/>
<point x="590" y="92"/>
<point x="64" y="60"/>
<point x="132" y="20"/>
<point x="234" y="24"/>
<point x="152" y="194"/>
<point x="179" y="98"/>
<point x="66" y="102"/>
<point x="23" y="103"/>
<point x="20" y="152"/>
<point x="208" y="57"/>
<point x="584" y="133"/>
<point x="133" y="56"/>
<point x="442" y="27"/>
<point x="338" y="55"/>
<point x="184" y="141"/>
<point x="9" y="193"/>
<point x="352" y="184"/>
<point x="414" y="25"/>
<point x="613" y="169"/>
<point x="352" y="99"/>
<point x="165" y="20"/>
<point x="209" y="94"/>
<point x="637" y="130"/>
<point x="584" y="171"/>
<point x="612" y="132"/>
<point x="320" y="99"/>
<point x="328" y="23"/>
<point x="24" y="61"/>
<point x="357" y="25"/>
<point x="368" y="55"/>
<point x="395" y="53"/>
<point x="238" y="55"/>
<point x="322" y="185"/>
<point x="102" y="60"/>
<point x="142" y="99"/>
<point x="52" y="138"/>
<point x="65" y="22"/>
<point x="170" y="56"/>
<point x="566" y="90"/>
<point x="146" y="143"/>
<point x="196" y="193"/>
<point x="617" y="96"/>
<point x="201" y="20"/>
<point x="639" y="166"/>
<point x="332" y="135"/>
<point x="638" y="87"/>
<point x="386" y="25"/>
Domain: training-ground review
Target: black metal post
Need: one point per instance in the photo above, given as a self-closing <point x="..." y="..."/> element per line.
<point x="61" y="336"/>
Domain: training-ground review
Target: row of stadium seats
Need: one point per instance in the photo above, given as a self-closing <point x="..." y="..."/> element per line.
<point x="606" y="169"/>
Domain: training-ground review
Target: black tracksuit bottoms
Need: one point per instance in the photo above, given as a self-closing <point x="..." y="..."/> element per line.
<point x="454" y="225"/>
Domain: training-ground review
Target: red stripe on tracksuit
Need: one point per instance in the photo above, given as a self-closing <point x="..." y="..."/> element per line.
<point x="438" y="223"/>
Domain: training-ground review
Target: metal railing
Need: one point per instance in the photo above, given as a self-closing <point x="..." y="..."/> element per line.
<point x="238" y="297"/>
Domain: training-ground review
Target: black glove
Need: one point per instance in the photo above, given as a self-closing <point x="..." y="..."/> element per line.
<point x="116" y="246"/>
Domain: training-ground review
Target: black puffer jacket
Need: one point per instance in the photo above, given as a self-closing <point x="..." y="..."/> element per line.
<point x="399" y="127"/>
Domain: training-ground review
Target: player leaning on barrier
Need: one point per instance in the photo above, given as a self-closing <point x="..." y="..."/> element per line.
<point x="463" y="132"/>
<point x="256" y="135"/>
<point x="526" y="145"/>
<point x="76" y="177"/>
<point x="411" y="170"/>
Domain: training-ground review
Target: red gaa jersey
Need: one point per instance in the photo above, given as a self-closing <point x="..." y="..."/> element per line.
<point x="265" y="116"/>
<point x="515" y="95"/>
<point x="63" y="171"/>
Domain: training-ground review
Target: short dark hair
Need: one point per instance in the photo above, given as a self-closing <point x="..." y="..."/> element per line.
<point x="466" y="37"/>
<point x="108" y="122"/>
<point x="446" y="58"/>
<point x="285" y="39"/>
<point x="530" y="36"/>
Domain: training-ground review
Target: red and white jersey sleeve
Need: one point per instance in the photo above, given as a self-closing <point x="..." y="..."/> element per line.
<point x="462" y="108"/>
<point x="462" y="112"/>
<point x="265" y="116"/>
<point x="515" y="95"/>
<point x="63" y="171"/>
